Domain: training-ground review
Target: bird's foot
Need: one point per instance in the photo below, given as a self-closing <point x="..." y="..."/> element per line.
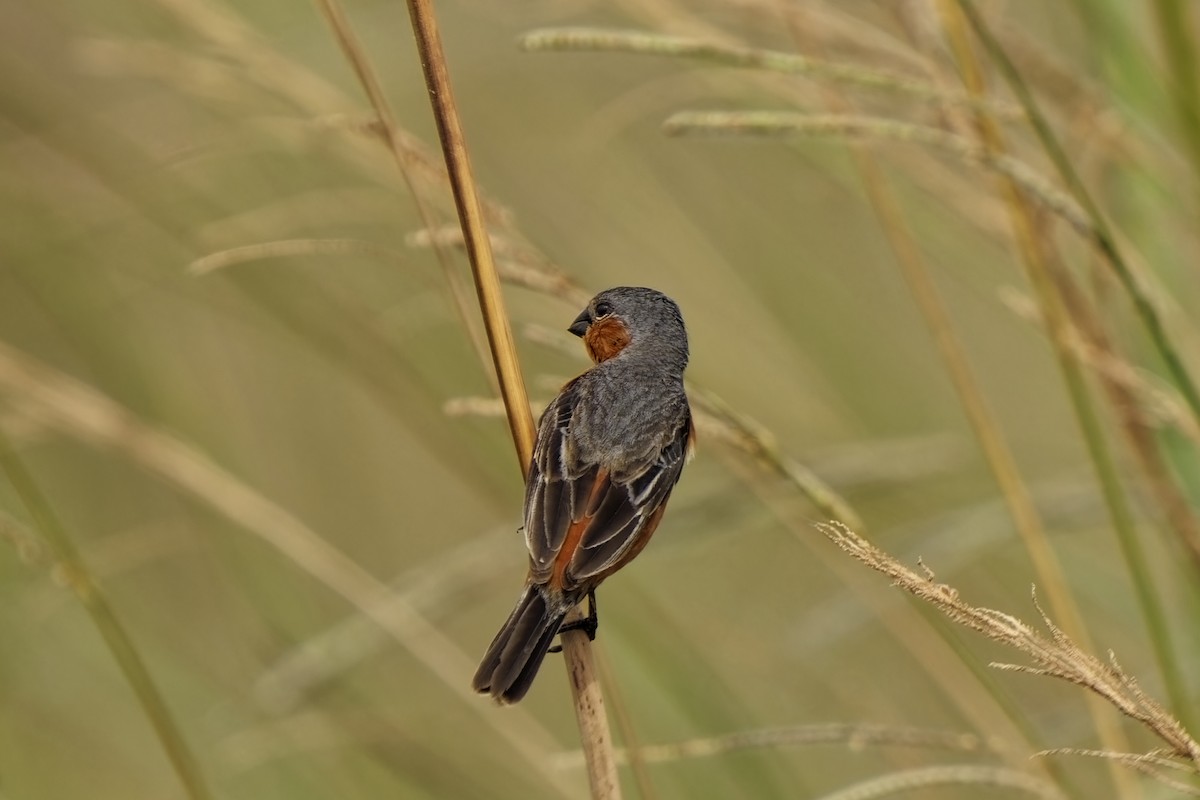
<point x="589" y="624"/>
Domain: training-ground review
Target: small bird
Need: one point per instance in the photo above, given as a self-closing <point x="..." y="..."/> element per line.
<point x="610" y="448"/>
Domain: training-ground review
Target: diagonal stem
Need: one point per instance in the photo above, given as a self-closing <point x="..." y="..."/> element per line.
<point x="111" y="629"/>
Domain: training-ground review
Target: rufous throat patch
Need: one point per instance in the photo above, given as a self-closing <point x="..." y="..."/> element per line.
<point x="605" y="338"/>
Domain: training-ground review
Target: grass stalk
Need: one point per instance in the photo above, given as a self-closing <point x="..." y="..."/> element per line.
<point x="475" y="236"/>
<point x="1175" y="29"/>
<point x="630" y="753"/>
<point x="653" y="44"/>
<point x="104" y="618"/>
<point x="581" y="669"/>
<point x="853" y="735"/>
<point x="1169" y="498"/>
<point x="847" y="126"/>
<point x="1037" y="259"/>
<point x="963" y="775"/>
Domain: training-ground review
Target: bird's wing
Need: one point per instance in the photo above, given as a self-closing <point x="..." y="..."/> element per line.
<point x="549" y="494"/>
<point x="579" y="521"/>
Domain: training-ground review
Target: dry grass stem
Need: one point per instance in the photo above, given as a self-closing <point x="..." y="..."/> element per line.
<point x="953" y="775"/>
<point x="1054" y="655"/>
<point x="644" y="43"/>
<point x="1114" y="375"/>
<point x="1150" y="764"/>
<point x="289" y="248"/>
<point x="475" y="235"/>
<point x="790" y="123"/>
<point x="594" y="732"/>
<point x="855" y="737"/>
<point x="760" y="444"/>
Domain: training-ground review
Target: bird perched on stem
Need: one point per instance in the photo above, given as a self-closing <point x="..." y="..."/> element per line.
<point x="610" y="448"/>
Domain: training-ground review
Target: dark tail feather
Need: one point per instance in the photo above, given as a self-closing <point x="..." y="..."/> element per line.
<point x="512" y="660"/>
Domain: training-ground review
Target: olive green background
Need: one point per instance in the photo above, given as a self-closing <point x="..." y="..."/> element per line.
<point x="139" y="136"/>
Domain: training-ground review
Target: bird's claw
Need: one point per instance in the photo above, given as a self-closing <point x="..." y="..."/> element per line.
<point x="589" y="624"/>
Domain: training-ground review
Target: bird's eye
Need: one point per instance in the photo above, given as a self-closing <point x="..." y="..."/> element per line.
<point x="603" y="309"/>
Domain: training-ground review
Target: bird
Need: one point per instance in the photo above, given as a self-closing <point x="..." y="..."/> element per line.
<point x="610" y="448"/>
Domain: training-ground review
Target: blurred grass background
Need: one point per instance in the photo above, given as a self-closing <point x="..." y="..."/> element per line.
<point x="278" y="449"/>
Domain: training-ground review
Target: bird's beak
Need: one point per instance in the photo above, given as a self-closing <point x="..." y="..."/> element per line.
<point x="582" y="323"/>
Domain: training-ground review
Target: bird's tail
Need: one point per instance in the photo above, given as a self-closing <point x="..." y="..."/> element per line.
<point x="512" y="660"/>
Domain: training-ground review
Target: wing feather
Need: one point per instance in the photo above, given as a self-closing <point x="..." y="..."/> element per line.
<point x="584" y="510"/>
<point x="620" y="517"/>
<point x="549" y="495"/>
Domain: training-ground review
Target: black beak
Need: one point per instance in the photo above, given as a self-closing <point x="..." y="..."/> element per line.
<point x="582" y="323"/>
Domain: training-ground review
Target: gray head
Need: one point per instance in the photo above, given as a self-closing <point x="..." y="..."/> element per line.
<point x="644" y="320"/>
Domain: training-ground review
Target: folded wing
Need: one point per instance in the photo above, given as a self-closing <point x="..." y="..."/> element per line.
<point x="580" y="522"/>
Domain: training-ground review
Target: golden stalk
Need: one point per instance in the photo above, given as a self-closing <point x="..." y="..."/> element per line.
<point x="585" y="686"/>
